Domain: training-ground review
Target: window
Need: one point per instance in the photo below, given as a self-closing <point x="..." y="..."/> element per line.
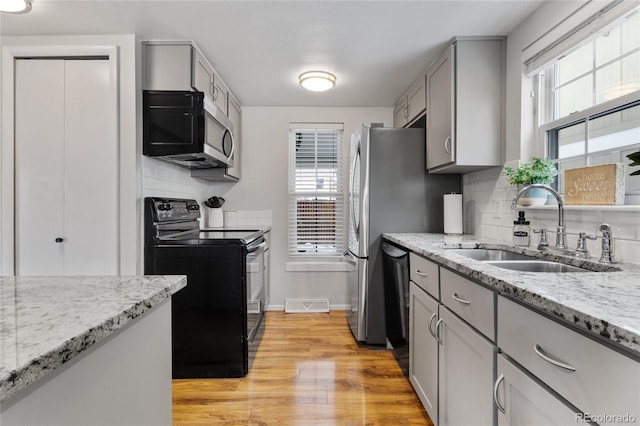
<point x="316" y="198"/>
<point x="590" y="100"/>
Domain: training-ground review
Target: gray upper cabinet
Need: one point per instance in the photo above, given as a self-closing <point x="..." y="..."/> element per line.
<point x="465" y="106"/>
<point x="181" y="65"/>
<point x="412" y="104"/>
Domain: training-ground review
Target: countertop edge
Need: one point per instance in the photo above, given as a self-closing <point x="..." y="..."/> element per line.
<point x="626" y="340"/>
<point x="46" y="363"/>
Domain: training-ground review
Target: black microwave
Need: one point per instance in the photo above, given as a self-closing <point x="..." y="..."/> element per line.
<point x="185" y="128"/>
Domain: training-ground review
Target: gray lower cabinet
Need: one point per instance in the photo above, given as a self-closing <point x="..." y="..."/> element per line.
<point x="423" y="356"/>
<point x="522" y="401"/>
<point x="466" y="371"/>
<point x="589" y="375"/>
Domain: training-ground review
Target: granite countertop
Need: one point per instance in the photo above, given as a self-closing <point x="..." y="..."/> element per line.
<point x="602" y="303"/>
<point x="46" y="321"/>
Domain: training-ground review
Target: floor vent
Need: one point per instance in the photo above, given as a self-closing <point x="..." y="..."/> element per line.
<point x="297" y="306"/>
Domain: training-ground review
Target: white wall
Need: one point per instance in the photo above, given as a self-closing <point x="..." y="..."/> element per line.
<point x="487" y="195"/>
<point x="263" y="186"/>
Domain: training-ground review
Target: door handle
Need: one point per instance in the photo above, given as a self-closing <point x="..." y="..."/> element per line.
<point x="433" y="316"/>
<point x="422" y="274"/>
<point x="538" y="350"/>
<point x="437" y="333"/>
<point x="457" y="298"/>
<point x="499" y="380"/>
<point x="447" y="145"/>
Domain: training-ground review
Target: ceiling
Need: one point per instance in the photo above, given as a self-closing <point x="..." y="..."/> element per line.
<point x="376" y="48"/>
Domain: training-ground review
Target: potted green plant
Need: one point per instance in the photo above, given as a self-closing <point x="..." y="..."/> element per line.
<point x="635" y="157"/>
<point x="536" y="170"/>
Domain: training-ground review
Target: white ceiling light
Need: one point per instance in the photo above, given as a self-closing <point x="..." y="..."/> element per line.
<point x="317" y="81"/>
<point x="15" y="6"/>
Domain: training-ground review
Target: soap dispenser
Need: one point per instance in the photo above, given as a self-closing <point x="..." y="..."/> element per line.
<point x="521" y="230"/>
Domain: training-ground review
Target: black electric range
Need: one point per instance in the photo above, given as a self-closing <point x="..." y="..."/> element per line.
<point x="218" y="318"/>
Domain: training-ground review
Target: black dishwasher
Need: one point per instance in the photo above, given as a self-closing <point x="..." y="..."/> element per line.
<point x="395" y="267"/>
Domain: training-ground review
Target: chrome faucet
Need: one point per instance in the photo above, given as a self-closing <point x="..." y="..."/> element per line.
<point x="561" y="233"/>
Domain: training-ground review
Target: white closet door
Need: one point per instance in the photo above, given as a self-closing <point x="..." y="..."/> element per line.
<point x="66" y="161"/>
<point x="90" y="171"/>
<point x="39" y="137"/>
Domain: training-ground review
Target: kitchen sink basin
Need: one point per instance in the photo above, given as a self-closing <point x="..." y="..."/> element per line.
<point x="493" y="254"/>
<point x="517" y="261"/>
<point x="535" y="266"/>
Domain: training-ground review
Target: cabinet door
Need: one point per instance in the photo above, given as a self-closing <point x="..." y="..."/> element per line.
<point x="202" y="74"/>
<point x="66" y="201"/>
<point x="423" y="349"/>
<point x="235" y="115"/>
<point x="400" y="113"/>
<point x="220" y="94"/>
<point x="416" y="99"/>
<point x="465" y="373"/>
<point x="521" y="401"/>
<point x="39" y="166"/>
<point x="440" y="135"/>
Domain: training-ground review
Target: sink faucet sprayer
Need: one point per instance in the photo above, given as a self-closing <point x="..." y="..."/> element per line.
<point x="561" y="234"/>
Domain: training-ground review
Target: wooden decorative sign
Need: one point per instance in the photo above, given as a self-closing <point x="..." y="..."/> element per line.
<point x="595" y="185"/>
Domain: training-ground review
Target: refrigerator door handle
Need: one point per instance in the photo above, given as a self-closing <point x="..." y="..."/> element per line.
<point x="355" y="227"/>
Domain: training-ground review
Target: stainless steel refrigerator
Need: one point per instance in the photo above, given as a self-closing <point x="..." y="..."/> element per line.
<point x="389" y="191"/>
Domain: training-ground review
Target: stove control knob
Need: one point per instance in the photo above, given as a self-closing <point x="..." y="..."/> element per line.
<point x="59" y="240"/>
<point x="164" y="206"/>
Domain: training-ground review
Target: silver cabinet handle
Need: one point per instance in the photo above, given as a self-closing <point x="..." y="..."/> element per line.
<point x="214" y="95"/>
<point x="541" y="354"/>
<point x="447" y="145"/>
<point x="422" y="274"/>
<point x="433" y="316"/>
<point x="499" y="380"/>
<point x="457" y="298"/>
<point x="437" y="333"/>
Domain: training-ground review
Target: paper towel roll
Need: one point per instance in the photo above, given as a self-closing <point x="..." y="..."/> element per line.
<point x="453" y="213"/>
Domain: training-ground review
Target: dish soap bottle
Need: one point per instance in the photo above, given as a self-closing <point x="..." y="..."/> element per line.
<point x="521" y="231"/>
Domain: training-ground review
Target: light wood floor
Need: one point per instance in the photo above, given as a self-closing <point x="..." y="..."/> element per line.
<point x="308" y="371"/>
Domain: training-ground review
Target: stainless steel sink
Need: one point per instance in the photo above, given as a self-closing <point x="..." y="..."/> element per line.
<point x="536" y="266"/>
<point x="517" y="261"/>
<point x="493" y="254"/>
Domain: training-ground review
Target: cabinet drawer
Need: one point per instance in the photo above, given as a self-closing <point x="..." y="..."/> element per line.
<point x="591" y="376"/>
<point x="472" y="302"/>
<point x="424" y="273"/>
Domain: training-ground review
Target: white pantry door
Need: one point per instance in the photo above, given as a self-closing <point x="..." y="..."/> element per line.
<point x="66" y="168"/>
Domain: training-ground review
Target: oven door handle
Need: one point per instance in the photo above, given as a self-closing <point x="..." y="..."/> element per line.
<point x="256" y="245"/>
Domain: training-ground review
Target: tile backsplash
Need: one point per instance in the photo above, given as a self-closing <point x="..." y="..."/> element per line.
<point x="487" y="200"/>
<point x="248" y="218"/>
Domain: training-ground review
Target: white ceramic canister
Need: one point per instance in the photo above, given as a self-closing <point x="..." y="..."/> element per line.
<point x="215" y="217"/>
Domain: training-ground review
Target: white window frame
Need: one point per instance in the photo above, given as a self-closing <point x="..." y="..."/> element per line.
<point x="543" y="87"/>
<point x="336" y="254"/>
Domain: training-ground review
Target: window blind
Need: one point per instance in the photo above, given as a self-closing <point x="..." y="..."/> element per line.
<point x="316" y="198"/>
<point x="593" y="17"/>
